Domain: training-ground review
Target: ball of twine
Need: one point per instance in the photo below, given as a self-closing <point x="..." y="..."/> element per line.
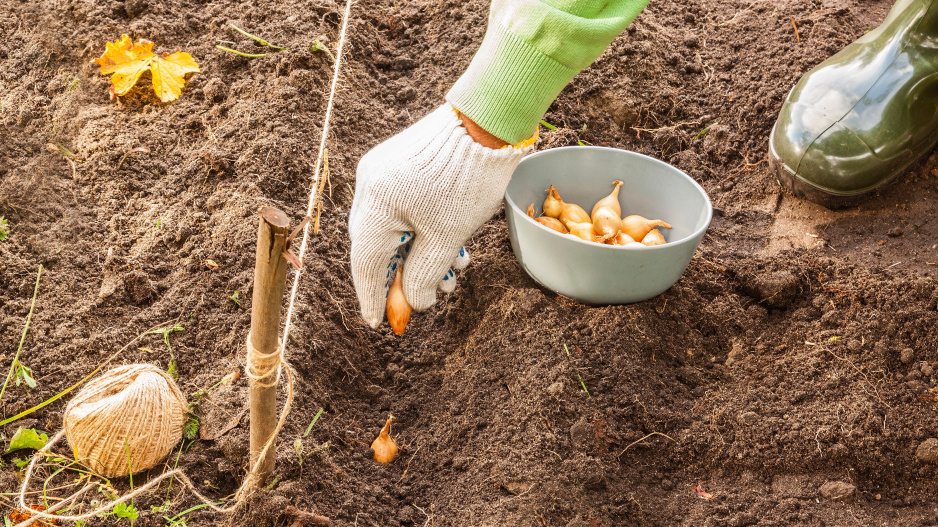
<point x="133" y="412"/>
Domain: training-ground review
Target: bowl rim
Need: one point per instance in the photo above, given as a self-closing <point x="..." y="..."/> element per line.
<point x="698" y="233"/>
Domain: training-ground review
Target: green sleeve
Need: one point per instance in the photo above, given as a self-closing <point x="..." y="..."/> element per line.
<point x="531" y="51"/>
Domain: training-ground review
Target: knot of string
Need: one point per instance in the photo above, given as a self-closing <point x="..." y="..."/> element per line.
<point x="261" y="366"/>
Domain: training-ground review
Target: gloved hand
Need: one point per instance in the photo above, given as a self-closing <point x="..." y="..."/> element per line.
<point x="431" y="182"/>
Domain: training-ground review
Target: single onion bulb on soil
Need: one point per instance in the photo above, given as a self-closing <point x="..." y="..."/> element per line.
<point x="384" y="446"/>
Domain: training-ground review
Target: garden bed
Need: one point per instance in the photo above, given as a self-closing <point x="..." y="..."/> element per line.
<point x="797" y="349"/>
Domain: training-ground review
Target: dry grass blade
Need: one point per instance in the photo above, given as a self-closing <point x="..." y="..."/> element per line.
<point x="139" y="149"/>
<point x="633" y="443"/>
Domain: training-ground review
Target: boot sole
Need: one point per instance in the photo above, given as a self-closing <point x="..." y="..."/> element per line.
<point x="831" y="200"/>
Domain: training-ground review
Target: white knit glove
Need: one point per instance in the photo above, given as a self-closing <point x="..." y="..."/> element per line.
<point x="435" y="184"/>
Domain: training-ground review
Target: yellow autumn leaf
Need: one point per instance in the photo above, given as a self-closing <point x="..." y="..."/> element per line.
<point x="127" y="60"/>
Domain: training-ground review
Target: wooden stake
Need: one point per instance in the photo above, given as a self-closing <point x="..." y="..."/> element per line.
<point x="270" y="279"/>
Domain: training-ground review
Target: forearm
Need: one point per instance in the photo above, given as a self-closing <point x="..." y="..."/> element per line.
<point x="531" y="50"/>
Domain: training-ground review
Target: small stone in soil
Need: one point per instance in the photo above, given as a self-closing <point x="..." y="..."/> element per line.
<point x="907" y="355"/>
<point x="581" y="434"/>
<point x="927" y="370"/>
<point x="555" y="389"/>
<point x="927" y="451"/>
<point x="749" y="418"/>
<point x="736" y="354"/>
<point x="838" y="491"/>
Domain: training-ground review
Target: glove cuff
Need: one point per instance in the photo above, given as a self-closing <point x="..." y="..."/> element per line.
<point x="509" y="85"/>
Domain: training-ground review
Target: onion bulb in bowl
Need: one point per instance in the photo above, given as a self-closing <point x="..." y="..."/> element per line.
<point x="547" y="221"/>
<point x="582" y="230"/>
<point x="605" y="216"/>
<point x="574" y="213"/>
<point x="637" y="226"/>
<point x="556" y="207"/>
<point x="620" y="239"/>
<point x="553" y="205"/>
<point x="611" y="201"/>
<point x="654" y="237"/>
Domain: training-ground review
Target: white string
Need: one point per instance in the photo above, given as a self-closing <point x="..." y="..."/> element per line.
<point x="313" y="198"/>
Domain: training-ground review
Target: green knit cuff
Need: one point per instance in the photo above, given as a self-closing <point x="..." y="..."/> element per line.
<point x="508" y="86"/>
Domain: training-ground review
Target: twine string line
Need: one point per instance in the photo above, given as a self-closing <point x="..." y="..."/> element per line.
<point x="314" y="196"/>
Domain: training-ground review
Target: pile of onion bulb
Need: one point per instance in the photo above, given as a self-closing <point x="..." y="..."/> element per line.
<point x="604" y="225"/>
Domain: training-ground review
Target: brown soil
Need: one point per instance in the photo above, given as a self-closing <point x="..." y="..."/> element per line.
<point x="797" y="349"/>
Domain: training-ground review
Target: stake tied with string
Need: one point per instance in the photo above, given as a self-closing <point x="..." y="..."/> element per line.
<point x="267" y="359"/>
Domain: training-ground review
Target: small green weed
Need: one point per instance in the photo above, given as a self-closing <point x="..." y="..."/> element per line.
<point x="259" y="40"/>
<point x="27" y="438"/>
<point x="23" y="375"/>
<point x="166" y="332"/>
<point x="234" y="298"/>
<point x="319" y="46"/>
<point x="190" y="428"/>
<point x="125" y="510"/>
<point x="4" y="230"/>
<point x="582" y="384"/>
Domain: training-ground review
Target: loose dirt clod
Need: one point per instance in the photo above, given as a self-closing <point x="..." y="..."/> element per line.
<point x="838" y="491"/>
<point x="927" y="451"/>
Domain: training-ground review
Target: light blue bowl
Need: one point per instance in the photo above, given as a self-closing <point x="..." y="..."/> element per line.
<point x="591" y="272"/>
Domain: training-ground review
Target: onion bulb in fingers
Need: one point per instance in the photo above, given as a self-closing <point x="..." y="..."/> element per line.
<point x="398" y="310"/>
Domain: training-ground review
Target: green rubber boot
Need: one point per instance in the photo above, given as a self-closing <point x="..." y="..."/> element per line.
<point x="861" y="117"/>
